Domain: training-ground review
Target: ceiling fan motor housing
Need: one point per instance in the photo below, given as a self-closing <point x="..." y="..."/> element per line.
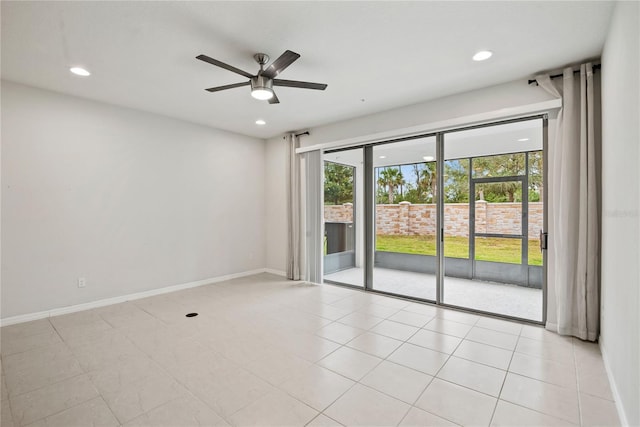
<point x="261" y="82"/>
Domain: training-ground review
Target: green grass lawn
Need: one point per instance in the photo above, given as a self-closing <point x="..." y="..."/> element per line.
<point x="487" y="249"/>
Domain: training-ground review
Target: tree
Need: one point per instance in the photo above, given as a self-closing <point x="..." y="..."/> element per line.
<point x="411" y="195"/>
<point x="497" y="166"/>
<point x="422" y="186"/>
<point x="338" y="183"/>
<point x="456" y="181"/>
<point x="417" y="192"/>
<point x="535" y="176"/>
<point x="423" y="189"/>
<point x="391" y="178"/>
<point x="429" y="181"/>
<point x="510" y="191"/>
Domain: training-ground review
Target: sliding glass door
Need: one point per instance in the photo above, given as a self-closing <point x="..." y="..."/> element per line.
<point x="343" y="250"/>
<point x="492" y="219"/>
<point x="453" y="218"/>
<point x="405" y="180"/>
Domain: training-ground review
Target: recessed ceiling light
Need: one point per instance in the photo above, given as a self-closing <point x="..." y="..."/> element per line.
<point x="482" y="55"/>
<point x="428" y="158"/>
<point x="79" y="71"/>
<point x="523" y="139"/>
<point x="383" y="157"/>
<point x="260" y="122"/>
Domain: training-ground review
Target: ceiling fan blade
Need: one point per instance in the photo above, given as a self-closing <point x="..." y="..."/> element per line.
<point x="303" y="85"/>
<point x="274" y="99"/>
<point x="217" y="63"/>
<point x="225" y="87"/>
<point x="277" y="66"/>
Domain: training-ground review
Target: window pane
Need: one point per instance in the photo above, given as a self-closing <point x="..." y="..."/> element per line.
<point x="456" y="208"/>
<point x="536" y="207"/>
<point x="338" y="208"/>
<point x="499" y="250"/>
<point x="405" y="182"/>
<point x="343" y="225"/>
<point x="502" y="165"/>
<point x="499" y="208"/>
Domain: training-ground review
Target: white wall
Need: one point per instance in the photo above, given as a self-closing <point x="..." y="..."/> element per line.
<point x="275" y="204"/>
<point x="130" y="200"/>
<point x="512" y="94"/>
<point x="620" y="331"/>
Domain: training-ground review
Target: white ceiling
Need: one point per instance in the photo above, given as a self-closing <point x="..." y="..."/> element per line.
<point x="374" y="56"/>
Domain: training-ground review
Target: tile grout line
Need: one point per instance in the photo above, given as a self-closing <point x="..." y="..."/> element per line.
<point x="126" y="337"/>
<point x="340" y="345"/>
<point x="162" y="368"/>
<point x="575" y="366"/>
<point x="495" y="408"/>
<point x="378" y="364"/>
<point x="70" y="407"/>
<point x="48" y="385"/>
<point x="435" y="375"/>
<point x="535" y="379"/>
<point x="454" y="350"/>
<point x="405" y="415"/>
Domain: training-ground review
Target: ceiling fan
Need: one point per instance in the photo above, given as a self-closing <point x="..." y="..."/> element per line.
<point x="263" y="82"/>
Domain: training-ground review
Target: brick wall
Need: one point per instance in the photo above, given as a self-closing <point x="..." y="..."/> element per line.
<point x="338" y="213"/>
<point x="407" y="219"/>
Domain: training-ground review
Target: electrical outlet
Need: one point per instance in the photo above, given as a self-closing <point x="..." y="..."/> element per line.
<point x="82" y="282"/>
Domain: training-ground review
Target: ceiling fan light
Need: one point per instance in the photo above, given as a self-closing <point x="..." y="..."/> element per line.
<point x="262" y="93"/>
<point x="261" y="88"/>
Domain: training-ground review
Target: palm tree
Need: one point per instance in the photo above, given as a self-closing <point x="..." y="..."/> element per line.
<point x="391" y="178"/>
<point x="428" y="180"/>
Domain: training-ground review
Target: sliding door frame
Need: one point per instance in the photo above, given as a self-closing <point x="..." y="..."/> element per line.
<point x="369" y="218"/>
<point x="440" y="217"/>
<point x="369" y="213"/>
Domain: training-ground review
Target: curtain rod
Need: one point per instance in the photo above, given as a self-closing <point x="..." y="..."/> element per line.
<point x="296" y="134"/>
<point x="555" y="76"/>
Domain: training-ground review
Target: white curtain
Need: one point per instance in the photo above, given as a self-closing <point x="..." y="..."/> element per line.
<point x="304" y="207"/>
<point x="294" y="268"/>
<point x="573" y="209"/>
<point x="314" y="196"/>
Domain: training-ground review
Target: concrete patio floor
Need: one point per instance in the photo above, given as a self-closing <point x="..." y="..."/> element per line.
<point x="499" y="298"/>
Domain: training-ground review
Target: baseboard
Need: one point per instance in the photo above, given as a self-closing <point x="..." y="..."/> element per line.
<point x="614" y="388"/>
<point x="130" y="297"/>
<point x="276" y="272"/>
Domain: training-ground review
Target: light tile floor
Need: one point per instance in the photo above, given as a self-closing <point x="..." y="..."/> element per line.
<point x="266" y="351"/>
<point x="501" y="298"/>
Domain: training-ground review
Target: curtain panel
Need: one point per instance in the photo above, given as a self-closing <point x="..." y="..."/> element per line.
<point x="294" y="252"/>
<point x="314" y="199"/>
<point x="304" y="213"/>
<point x="573" y="203"/>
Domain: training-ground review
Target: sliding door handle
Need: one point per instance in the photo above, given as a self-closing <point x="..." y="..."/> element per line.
<point x="543" y="240"/>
